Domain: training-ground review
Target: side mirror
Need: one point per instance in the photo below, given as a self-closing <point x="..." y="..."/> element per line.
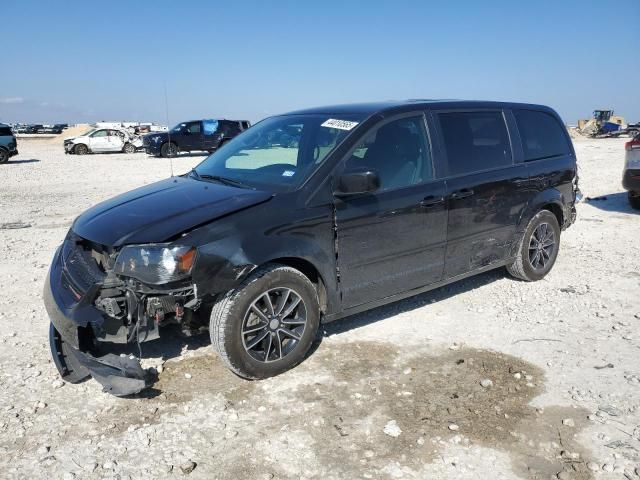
<point x="354" y="183"/>
<point x="186" y="132"/>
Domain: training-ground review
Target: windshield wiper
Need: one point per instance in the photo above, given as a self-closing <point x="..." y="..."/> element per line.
<point x="224" y="180"/>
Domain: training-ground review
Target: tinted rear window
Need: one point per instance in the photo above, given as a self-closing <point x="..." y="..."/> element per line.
<point x="542" y="135"/>
<point x="475" y="141"/>
<point x="5" y="131"/>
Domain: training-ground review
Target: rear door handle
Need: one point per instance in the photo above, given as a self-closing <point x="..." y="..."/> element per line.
<point x="431" y="201"/>
<point x="464" y="193"/>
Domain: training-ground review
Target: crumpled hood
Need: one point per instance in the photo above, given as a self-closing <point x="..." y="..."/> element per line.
<point x="162" y="210"/>
<point x="73" y="138"/>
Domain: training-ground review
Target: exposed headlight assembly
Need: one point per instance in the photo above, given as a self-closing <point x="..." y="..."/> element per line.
<point x="155" y="264"/>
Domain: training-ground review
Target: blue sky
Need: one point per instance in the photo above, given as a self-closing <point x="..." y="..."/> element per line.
<point x="76" y="61"/>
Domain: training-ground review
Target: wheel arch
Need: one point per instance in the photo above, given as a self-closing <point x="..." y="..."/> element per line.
<point x="551" y="200"/>
<point x="310" y="271"/>
<point x="84" y="144"/>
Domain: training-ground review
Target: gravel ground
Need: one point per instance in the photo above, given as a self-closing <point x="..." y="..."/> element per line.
<point x="486" y="378"/>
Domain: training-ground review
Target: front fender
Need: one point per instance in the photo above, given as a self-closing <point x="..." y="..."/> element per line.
<point x="231" y="248"/>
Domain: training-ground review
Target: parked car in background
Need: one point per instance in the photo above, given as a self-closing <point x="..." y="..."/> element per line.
<point x="56" y="129"/>
<point x="195" y="135"/>
<point x="8" y="144"/>
<point x="21" y="128"/>
<point x="99" y="140"/>
<point x="272" y="235"/>
<point x="631" y="173"/>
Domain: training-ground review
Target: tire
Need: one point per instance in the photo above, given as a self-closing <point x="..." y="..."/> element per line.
<point x="634" y="200"/>
<point x="169" y="149"/>
<point x="80" y="149"/>
<point x="65" y="361"/>
<point x="4" y="156"/>
<point x="534" y="260"/>
<point x="129" y="148"/>
<point x="235" y="325"/>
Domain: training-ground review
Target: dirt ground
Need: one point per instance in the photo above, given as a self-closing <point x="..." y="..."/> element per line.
<point x="393" y="393"/>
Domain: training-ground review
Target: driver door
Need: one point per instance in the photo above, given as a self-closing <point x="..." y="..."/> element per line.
<point x="100" y="141"/>
<point x="192" y="137"/>
<point x="392" y="240"/>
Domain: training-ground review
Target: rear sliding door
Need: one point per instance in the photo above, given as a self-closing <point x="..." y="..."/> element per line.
<point x="486" y="189"/>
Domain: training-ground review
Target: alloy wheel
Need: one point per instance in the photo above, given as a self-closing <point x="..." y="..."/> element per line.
<point x="274" y="324"/>
<point x="541" y="246"/>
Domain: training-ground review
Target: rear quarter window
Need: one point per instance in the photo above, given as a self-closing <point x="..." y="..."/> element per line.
<point x="542" y="135"/>
<point x="475" y="141"/>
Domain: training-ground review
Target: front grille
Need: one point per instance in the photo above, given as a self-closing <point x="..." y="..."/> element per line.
<point x="79" y="267"/>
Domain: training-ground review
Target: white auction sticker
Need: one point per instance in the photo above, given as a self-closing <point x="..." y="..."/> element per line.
<point x="339" y="124"/>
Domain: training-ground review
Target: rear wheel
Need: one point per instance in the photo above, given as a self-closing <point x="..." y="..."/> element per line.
<point x="128" y="148"/>
<point x="80" y="149"/>
<point x="267" y="325"/>
<point x="169" y="150"/>
<point x="68" y="366"/>
<point x="634" y="200"/>
<point x="4" y="156"/>
<point x="538" y="248"/>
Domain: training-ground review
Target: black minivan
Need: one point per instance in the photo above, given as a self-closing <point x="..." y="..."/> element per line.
<point x="359" y="205"/>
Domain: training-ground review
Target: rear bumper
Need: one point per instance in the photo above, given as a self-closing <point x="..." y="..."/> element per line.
<point x="631" y="180"/>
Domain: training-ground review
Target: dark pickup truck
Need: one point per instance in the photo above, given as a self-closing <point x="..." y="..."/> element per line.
<point x="205" y="135"/>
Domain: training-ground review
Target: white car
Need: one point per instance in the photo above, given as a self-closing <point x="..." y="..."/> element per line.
<point x="103" y="140"/>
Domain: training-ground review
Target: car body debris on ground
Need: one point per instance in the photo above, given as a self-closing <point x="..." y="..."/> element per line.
<point x="484" y="378"/>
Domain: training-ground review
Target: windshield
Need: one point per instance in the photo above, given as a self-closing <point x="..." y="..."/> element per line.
<point x="279" y="153"/>
<point x="88" y="132"/>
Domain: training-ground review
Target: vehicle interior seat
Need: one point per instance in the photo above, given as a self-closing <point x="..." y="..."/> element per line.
<point x="395" y="155"/>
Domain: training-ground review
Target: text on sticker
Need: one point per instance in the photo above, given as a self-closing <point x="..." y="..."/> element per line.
<point x="339" y="124"/>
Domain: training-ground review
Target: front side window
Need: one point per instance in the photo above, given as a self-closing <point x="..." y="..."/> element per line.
<point x="475" y="141"/>
<point x="278" y="153"/>
<point x="194" y="127"/>
<point x="398" y="151"/>
<point x="100" y="133"/>
<point x="542" y="136"/>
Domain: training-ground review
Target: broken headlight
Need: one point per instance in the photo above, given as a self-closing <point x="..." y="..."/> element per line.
<point x="155" y="264"/>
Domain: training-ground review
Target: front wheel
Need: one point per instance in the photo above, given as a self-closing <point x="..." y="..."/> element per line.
<point x="80" y="149"/>
<point x="169" y="150"/>
<point x="266" y="325"/>
<point x="634" y="199"/>
<point x="538" y="248"/>
<point x="4" y="156"/>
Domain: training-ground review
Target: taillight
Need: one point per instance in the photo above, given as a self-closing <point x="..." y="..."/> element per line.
<point x="633" y="144"/>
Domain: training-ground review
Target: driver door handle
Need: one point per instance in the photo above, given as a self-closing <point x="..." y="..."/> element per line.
<point x="431" y="201"/>
<point x="464" y="193"/>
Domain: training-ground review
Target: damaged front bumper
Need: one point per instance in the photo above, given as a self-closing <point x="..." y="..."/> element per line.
<point x="91" y="312"/>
